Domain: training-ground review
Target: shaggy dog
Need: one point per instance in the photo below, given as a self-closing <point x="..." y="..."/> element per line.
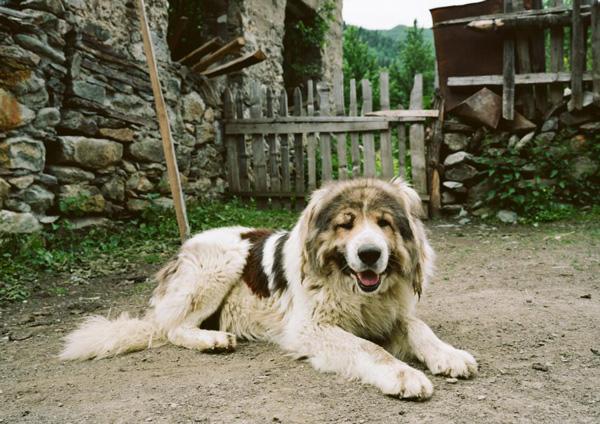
<point x="339" y="289"/>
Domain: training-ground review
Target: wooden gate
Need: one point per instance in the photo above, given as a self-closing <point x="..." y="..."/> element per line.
<point x="278" y="158"/>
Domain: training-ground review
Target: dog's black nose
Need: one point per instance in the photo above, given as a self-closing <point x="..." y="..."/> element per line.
<point x="369" y="255"/>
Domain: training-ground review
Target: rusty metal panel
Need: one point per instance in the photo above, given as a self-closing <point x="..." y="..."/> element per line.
<point x="463" y="52"/>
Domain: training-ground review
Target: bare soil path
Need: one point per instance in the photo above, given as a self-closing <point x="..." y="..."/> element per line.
<point x="525" y="301"/>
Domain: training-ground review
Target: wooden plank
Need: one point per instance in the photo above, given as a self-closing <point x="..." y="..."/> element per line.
<point x="286" y="195"/>
<point x="402" y="139"/>
<point x="402" y="113"/>
<point x="538" y="60"/>
<point x="543" y="18"/>
<point x="242" y="127"/>
<point x="524" y="65"/>
<point x="210" y="46"/>
<point x="417" y="140"/>
<point x="299" y="153"/>
<point x="325" y="137"/>
<point x="577" y="58"/>
<point x="241" y="148"/>
<point x="165" y="130"/>
<point x="236" y="65"/>
<point x="233" y="46"/>
<point x="557" y="55"/>
<point x="338" y="95"/>
<point x="311" y="144"/>
<point x="535" y="78"/>
<point x="387" y="158"/>
<point x="233" y="176"/>
<point x="368" y="138"/>
<point x="508" y="87"/>
<point x="259" y="159"/>
<point x="354" y="139"/>
<point x="596" y="51"/>
<point x="272" y="142"/>
<point x="381" y="120"/>
<point x="434" y="166"/>
<point x="285" y="146"/>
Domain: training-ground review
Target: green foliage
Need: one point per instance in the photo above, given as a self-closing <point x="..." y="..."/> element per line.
<point x="538" y="182"/>
<point x="31" y="263"/>
<point x="360" y="62"/>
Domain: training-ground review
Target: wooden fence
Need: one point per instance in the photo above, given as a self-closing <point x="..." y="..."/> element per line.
<point x="525" y="55"/>
<point x="274" y="156"/>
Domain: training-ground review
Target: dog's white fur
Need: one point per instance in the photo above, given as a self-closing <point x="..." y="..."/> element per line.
<point x="326" y="320"/>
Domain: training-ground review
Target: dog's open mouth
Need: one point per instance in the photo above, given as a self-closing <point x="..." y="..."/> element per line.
<point x="368" y="281"/>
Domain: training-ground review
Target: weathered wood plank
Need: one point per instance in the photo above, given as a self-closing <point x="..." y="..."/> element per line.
<point x="208" y="47"/>
<point x="241" y="127"/>
<point x="577" y="58"/>
<point x="524" y="65"/>
<point x="272" y="142"/>
<point x="387" y="159"/>
<point x="236" y="65"/>
<point x="402" y="139"/>
<point x="354" y="138"/>
<point x="508" y="88"/>
<point x="340" y="141"/>
<point x="241" y="148"/>
<point x="534" y="78"/>
<point x="233" y="176"/>
<point x="311" y="143"/>
<point x="259" y="160"/>
<point x="233" y="46"/>
<point x="391" y="115"/>
<point x="434" y="166"/>
<point x="417" y="140"/>
<point x="596" y="51"/>
<point x="368" y="138"/>
<point x="165" y="129"/>
<point x="286" y="184"/>
<point x="298" y="153"/>
<point x="325" y="137"/>
<point x="538" y="60"/>
<point x="557" y="55"/>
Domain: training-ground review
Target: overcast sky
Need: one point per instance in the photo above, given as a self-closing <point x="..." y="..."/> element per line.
<point x="386" y="14"/>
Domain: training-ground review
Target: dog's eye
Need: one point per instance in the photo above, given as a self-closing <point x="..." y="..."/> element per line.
<point x="382" y="222"/>
<point x="346" y="225"/>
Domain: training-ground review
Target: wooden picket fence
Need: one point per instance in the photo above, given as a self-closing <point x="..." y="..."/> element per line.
<point x="278" y="159"/>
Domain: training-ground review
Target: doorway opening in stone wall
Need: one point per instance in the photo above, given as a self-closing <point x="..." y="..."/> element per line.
<point x="194" y="23"/>
<point x="302" y="56"/>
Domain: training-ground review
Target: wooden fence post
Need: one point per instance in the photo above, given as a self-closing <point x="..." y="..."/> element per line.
<point x="259" y="160"/>
<point x="233" y="170"/>
<point x="311" y="144"/>
<point x="368" y="138"/>
<point x="299" y="153"/>
<point x="596" y="51"/>
<point x="325" y="138"/>
<point x="165" y="130"/>
<point x="417" y="140"/>
<point x="273" y="153"/>
<point x="354" y="140"/>
<point x="241" y="148"/>
<point x="340" y="141"/>
<point x="285" y="146"/>
<point x="556" y="58"/>
<point x="524" y="56"/>
<point x="387" y="159"/>
<point x="508" y="90"/>
<point x="577" y="58"/>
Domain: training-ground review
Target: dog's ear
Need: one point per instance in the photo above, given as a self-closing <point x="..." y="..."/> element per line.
<point x="423" y="258"/>
<point x="410" y="196"/>
<point x="305" y="225"/>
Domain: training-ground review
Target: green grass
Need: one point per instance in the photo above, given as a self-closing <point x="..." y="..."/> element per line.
<point x="34" y="263"/>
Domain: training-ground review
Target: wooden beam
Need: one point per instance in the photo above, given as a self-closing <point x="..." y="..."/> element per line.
<point x="236" y="65"/>
<point x="557" y="55"/>
<point x="165" y="130"/>
<point x="417" y="140"/>
<point x="402" y="113"/>
<point x="524" y="65"/>
<point x="596" y="51"/>
<point x="208" y="47"/>
<point x="233" y="46"/>
<point x="520" y="79"/>
<point x="243" y="127"/>
<point x="577" y="58"/>
<point x="508" y="88"/>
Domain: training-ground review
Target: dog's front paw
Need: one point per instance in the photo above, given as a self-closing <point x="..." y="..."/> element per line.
<point x="452" y="362"/>
<point x="221" y="341"/>
<point x="409" y="383"/>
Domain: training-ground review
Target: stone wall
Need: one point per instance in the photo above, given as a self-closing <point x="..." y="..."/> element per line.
<point x="78" y="132"/>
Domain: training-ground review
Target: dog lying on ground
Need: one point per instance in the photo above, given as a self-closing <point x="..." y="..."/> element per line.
<point x="339" y="289"/>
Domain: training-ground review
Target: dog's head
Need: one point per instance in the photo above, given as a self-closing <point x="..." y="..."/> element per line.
<point x="368" y="233"/>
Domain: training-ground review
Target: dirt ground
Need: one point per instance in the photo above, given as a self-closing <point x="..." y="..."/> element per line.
<point x="525" y="301"/>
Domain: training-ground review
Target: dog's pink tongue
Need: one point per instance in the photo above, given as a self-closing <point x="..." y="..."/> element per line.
<point x="368" y="278"/>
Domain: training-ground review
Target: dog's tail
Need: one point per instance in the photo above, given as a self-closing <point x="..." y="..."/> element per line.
<point x="98" y="337"/>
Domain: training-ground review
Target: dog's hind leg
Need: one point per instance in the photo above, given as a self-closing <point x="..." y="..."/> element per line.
<point x="194" y="286"/>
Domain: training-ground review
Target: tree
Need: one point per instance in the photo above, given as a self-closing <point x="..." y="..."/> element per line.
<point x="360" y="62"/>
<point x="415" y="57"/>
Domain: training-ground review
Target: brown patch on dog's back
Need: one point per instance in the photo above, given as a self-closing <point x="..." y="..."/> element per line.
<point x="253" y="274"/>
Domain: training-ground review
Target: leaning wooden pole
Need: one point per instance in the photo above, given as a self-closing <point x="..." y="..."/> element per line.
<point x="165" y="130"/>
